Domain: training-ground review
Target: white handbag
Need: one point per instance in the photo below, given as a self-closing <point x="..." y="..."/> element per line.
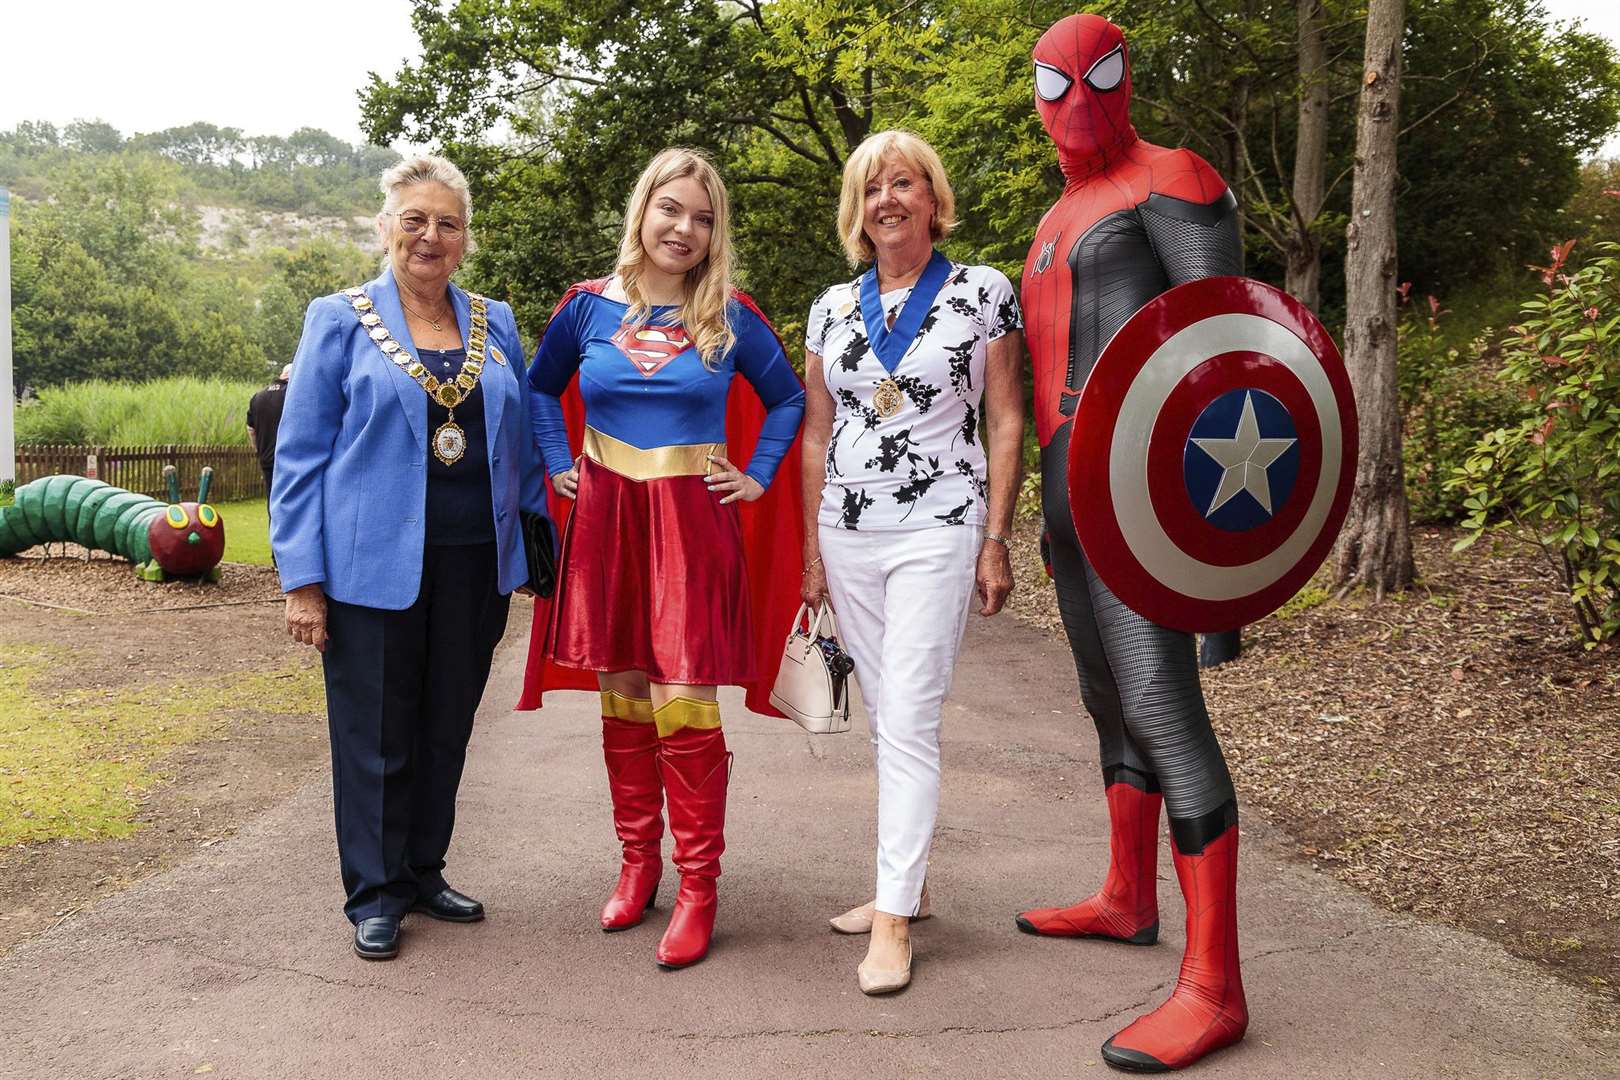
<point x="812" y="685"/>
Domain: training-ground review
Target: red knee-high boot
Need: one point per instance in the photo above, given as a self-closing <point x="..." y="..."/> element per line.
<point x="1206" y="1011"/>
<point x="696" y="767"/>
<point x="630" y="749"/>
<point x="1127" y="907"/>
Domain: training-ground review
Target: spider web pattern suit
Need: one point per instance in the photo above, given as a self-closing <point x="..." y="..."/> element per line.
<point x="1134" y="220"/>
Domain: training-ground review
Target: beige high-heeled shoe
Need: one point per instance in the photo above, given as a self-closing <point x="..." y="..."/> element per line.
<point x="873" y="981"/>
<point x="859" y="920"/>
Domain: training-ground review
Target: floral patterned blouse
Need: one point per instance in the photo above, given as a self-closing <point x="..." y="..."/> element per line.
<point x="923" y="466"/>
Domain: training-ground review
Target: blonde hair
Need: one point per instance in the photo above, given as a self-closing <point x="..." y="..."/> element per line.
<point x="708" y="284"/>
<point x="425" y="169"/>
<point x="866" y="162"/>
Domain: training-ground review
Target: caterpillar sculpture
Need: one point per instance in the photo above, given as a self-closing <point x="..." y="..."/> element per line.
<point x="177" y="539"/>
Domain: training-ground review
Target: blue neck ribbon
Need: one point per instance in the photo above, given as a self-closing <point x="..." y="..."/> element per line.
<point x="890" y="345"/>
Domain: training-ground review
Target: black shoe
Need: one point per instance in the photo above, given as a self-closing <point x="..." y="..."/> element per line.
<point x="1125" y="1059"/>
<point x="450" y="906"/>
<point x="377" y="938"/>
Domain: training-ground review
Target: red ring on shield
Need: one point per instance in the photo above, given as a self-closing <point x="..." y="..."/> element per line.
<point x="1189" y="575"/>
<point x="1182" y="521"/>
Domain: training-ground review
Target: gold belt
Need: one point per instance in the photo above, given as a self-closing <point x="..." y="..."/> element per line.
<point x="687" y="459"/>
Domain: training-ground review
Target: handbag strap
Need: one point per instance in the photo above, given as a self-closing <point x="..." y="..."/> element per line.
<point x="818" y="623"/>
<point x="823" y="626"/>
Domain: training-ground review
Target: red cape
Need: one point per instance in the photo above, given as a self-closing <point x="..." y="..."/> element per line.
<point x="773" y="541"/>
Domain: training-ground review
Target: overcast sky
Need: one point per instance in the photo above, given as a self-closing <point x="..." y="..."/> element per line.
<point x="267" y="68"/>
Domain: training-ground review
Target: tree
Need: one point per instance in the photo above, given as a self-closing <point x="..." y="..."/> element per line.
<point x="316" y="268"/>
<point x="1374" y="549"/>
<point x="93" y="137"/>
<point x="35" y="136"/>
<point x="1301" y="246"/>
<point x="787" y="88"/>
<point x="314" y="147"/>
<point x="784" y="91"/>
<point x="194" y="144"/>
<point x="1500" y="109"/>
<point x="105" y="289"/>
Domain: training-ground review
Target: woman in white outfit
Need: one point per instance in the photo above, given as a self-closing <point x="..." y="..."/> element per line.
<point x="904" y="520"/>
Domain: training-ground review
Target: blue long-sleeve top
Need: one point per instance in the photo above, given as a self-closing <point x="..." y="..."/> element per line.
<point x="642" y="387"/>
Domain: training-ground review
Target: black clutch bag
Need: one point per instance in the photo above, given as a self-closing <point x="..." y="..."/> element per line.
<point x="540" y="551"/>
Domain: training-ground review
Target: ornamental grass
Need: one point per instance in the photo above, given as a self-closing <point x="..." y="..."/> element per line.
<point x="183" y="410"/>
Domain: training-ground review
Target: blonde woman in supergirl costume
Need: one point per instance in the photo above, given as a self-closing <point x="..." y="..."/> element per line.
<point x="653" y="592"/>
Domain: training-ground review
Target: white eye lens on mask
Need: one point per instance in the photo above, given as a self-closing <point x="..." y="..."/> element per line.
<point x="1109" y="72"/>
<point x="1050" y="83"/>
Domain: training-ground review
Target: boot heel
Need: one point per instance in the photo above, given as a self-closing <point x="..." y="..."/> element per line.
<point x="654" y="898"/>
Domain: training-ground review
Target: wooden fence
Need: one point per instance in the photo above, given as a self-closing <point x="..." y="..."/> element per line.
<point x="140" y="468"/>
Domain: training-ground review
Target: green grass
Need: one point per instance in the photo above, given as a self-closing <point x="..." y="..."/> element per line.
<point x="73" y="766"/>
<point x="247" y="532"/>
<point x="1308" y="597"/>
<point x="183" y="411"/>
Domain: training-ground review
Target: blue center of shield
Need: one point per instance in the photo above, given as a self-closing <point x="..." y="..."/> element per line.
<point x="1241" y="460"/>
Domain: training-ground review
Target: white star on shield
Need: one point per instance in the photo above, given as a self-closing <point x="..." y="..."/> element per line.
<point x="1245" y="457"/>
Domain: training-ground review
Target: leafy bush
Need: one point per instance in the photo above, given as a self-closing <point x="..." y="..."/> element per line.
<point x="184" y="411"/>
<point x="1449" y="394"/>
<point x="1551" y="478"/>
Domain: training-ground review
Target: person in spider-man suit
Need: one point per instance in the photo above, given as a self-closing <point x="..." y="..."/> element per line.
<point x="1134" y="220"/>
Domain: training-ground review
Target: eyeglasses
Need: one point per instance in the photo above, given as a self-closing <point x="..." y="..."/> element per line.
<point x="415" y="223"/>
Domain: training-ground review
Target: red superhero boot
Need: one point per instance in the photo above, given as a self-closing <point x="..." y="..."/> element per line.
<point x="1207" y="1010"/>
<point x="1127" y="907"/>
<point x="630" y="748"/>
<point x="696" y="768"/>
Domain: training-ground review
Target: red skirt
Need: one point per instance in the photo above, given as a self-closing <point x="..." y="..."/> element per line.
<point x="652" y="578"/>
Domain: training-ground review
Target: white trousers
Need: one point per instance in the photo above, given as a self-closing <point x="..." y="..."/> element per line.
<point x="901" y="599"/>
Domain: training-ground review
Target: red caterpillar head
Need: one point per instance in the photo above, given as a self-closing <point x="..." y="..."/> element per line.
<point x="1083" y="91"/>
<point x="189" y="538"/>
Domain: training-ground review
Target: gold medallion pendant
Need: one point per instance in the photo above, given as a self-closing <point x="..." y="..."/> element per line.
<point x="449" y="442"/>
<point x="887" y="398"/>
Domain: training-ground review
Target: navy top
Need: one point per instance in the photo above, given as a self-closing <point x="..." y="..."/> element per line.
<point x="647" y="386"/>
<point x="460" y="508"/>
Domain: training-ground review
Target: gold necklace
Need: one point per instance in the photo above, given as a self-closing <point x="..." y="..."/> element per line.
<point x="435" y="323"/>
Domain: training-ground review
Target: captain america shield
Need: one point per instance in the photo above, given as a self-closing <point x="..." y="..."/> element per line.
<point x="1213" y="454"/>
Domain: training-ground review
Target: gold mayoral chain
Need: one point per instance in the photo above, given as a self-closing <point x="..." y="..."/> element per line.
<point x="449" y="441"/>
<point x="887" y="398"/>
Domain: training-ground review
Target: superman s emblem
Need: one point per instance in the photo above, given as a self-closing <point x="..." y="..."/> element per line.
<point x="650" y="347"/>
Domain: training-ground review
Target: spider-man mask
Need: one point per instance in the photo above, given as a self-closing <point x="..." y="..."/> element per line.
<point x="1083" y="91"/>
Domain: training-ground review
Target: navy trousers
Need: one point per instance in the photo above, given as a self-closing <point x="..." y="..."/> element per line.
<point x="401" y="691"/>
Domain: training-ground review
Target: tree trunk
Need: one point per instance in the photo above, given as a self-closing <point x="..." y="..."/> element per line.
<point x="1303" y="248"/>
<point x="1374" y="549"/>
<point x="1236" y="168"/>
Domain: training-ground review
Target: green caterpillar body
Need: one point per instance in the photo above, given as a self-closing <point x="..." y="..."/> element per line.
<point x="182" y="539"/>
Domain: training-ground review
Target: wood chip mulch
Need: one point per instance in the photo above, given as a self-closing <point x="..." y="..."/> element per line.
<point x="1452" y="752"/>
<point x="102" y="585"/>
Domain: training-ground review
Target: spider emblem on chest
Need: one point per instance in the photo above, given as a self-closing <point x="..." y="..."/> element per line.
<point x="1043" y="261"/>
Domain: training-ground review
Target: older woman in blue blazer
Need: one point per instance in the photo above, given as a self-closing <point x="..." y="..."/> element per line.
<point x="403" y="460"/>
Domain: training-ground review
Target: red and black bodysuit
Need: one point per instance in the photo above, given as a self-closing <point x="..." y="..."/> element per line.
<point x="1134" y="220"/>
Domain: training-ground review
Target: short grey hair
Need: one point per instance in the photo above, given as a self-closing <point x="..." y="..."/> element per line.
<point x="426" y="169"/>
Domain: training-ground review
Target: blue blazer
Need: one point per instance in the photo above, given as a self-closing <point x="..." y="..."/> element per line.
<point x="349" y="495"/>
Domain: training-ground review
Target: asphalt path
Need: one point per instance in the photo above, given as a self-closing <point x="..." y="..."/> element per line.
<point x="237" y="962"/>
